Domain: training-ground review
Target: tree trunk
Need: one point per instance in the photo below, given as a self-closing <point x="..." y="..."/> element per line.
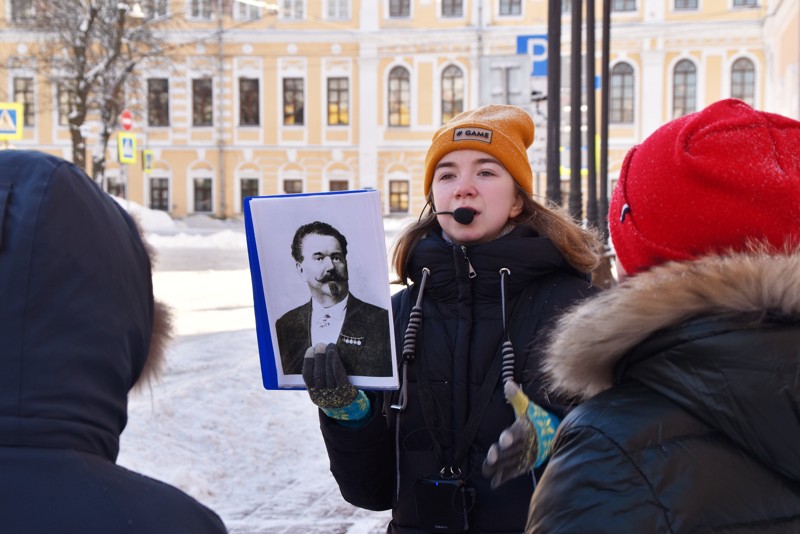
<point x="78" y="146"/>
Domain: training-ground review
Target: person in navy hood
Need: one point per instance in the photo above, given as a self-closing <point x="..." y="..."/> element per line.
<point x="79" y="328"/>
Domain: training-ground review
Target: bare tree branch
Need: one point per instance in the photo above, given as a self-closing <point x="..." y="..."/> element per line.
<point x="91" y="48"/>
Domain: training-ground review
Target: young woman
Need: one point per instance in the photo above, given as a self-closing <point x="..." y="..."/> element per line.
<point x="490" y="270"/>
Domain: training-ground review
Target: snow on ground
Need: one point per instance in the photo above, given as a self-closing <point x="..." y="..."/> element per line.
<point x="207" y="426"/>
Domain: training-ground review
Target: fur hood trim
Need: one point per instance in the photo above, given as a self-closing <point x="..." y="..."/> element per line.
<point x="588" y="341"/>
<point x="162" y="332"/>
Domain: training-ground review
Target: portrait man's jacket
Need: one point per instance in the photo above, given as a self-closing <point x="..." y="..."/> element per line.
<point x="363" y="342"/>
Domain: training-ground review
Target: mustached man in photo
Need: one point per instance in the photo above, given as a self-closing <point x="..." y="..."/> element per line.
<point x="333" y="315"/>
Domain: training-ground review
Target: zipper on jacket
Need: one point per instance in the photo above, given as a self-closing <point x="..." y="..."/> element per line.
<point x="472" y="273"/>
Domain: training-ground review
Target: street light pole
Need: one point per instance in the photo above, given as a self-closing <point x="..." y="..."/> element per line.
<point x="591" y="118"/>
<point x="554" y="100"/>
<point x="575" y="197"/>
<point x="604" y="102"/>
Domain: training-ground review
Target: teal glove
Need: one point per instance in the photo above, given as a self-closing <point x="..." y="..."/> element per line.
<point x="329" y="387"/>
<point x="524" y="445"/>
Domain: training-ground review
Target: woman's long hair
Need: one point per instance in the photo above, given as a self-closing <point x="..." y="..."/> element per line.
<point x="580" y="246"/>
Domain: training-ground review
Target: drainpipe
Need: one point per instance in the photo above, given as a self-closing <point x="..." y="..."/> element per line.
<point x="218" y="102"/>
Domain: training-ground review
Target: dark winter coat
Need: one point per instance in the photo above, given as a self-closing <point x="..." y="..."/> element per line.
<point x="76" y="320"/>
<point x="700" y="431"/>
<point x="461" y="332"/>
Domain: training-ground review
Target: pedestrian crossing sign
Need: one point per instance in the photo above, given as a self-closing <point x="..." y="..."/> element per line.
<point x="147" y="161"/>
<point x="11" y="120"/>
<point x="126" y="147"/>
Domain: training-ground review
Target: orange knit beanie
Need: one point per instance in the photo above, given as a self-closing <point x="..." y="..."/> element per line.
<point x="504" y="132"/>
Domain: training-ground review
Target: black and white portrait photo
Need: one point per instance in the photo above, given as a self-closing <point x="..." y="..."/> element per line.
<point x="322" y="263"/>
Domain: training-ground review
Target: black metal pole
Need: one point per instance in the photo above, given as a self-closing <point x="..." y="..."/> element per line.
<point x="554" y="100"/>
<point x="575" y="197"/>
<point x="604" y="99"/>
<point x="591" y="119"/>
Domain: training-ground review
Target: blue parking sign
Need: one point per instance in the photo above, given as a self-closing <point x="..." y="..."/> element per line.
<point x="534" y="46"/>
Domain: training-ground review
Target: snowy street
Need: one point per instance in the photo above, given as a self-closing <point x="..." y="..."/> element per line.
<point x="254" y="456"/>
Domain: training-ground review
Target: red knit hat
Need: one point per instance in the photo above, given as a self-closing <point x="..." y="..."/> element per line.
<point x="706" y="183"/>
<point x="504" y="132"/>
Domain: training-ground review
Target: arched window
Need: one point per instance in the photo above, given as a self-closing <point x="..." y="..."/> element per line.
<point x="621" y="94"/>
<point x="452" y="92"/>
<point x="743" y="81"/>
<point x="684" y="88"/>
<point x="399" y="97"/>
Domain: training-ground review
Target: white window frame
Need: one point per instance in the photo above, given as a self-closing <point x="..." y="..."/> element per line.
<point x="190" y="200"/>
<point x="442" y="16"/>
<point x="148" y="180"/>
<point x="389" y="16"/>
<point x="246" y="11"/>
<point x="510" y="16"/>
<point x="200" y="16"/>
<point x="337" y="10"/>
<point x="292" y="10"/>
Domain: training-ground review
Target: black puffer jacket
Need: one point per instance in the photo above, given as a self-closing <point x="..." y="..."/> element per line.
<point x="461" y="332"/>
<point x="700" y="430"/>
<point x="76" y="326"/>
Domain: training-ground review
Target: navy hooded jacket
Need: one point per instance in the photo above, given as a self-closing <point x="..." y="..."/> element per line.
<point x="76" y="321"/>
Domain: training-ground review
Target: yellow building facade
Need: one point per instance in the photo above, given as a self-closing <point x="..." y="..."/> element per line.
<point x="345" y="94"/>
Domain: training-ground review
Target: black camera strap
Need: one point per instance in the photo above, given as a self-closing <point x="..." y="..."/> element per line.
<point x="489" y="382"/>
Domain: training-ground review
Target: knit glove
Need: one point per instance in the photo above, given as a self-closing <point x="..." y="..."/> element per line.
<point x="525" y="444"/>
<point x="329" y="387"/>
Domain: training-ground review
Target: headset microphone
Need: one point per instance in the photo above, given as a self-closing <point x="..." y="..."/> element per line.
<point x="461" y="215"/>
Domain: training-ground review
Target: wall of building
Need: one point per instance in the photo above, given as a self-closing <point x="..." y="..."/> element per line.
<point x="364" y="48"/>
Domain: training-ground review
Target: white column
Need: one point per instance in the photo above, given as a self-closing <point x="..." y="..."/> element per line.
<point x="368" y="133"/>
<point x="652" y="110"/>
<point x="653" y="10"/>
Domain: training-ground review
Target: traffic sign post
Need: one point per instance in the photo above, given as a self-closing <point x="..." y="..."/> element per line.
<point x="126" y="120"/>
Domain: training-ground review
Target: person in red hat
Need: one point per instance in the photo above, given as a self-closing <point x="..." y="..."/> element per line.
<point x="687" y="372"/>
<point x="487" y="269"/>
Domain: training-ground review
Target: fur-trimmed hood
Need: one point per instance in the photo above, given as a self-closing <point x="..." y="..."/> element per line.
<point x="589" y="341"/>
<point x="718" y="337"/>
<point x="78" y="321"/>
